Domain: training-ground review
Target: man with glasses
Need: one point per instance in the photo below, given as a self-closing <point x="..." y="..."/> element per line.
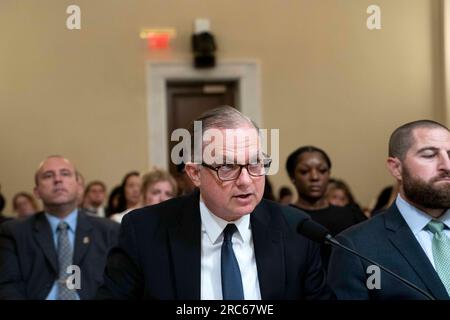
<point x="221" y="242"/>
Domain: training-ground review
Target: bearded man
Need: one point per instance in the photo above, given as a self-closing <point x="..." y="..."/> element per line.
<point x="410" y="238"/>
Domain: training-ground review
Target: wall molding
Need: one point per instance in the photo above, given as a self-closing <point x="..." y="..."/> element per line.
<point x="246" y="73"/>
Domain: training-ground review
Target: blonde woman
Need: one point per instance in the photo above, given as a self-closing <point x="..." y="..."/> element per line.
<point x="158" y="186"/>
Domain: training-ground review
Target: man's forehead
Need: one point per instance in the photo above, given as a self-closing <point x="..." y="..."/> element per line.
<point x="228" y="144"/>
<point x="244" y="129"/>
<point x="55" y="163"/>
<point x="431" y="137"/>
<point x="240" y="137"/>
<point x="248" y="147"/>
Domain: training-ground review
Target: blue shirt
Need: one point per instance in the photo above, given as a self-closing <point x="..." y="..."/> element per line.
<point x="71" y="220"/>
<point x="417" y="220"/>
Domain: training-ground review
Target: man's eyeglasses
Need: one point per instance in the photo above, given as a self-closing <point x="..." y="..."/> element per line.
<point x="228" y="172"/>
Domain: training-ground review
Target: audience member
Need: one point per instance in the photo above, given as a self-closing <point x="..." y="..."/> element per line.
<point x="268" y="190"/>
<point x="158" y="186"/>
<point x="285" y="195"/>
<point x="94" y="198"/>
<point x="38" y="255"/>
<point x="385" y="199"/>
<point x="412" y="237"/>
<point x="113" y="201"/>
<point x="2" y="206"/>
<point x="129" y="196"/>
<point x="24" y="205"/>
<point x="309" y="168"/>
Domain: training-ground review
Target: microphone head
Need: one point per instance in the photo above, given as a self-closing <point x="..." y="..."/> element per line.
<point x="313" y="231"/>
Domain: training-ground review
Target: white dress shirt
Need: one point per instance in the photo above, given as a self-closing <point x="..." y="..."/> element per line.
<point x="417" y="221"/>
<point x="212" y="238"/>
<point x="117" y="217"/>
<point x="101" y="211"/>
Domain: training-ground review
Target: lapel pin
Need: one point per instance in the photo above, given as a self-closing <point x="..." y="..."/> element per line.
<point x="86" y="240"/>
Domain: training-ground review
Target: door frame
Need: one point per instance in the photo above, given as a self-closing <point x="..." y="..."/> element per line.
<point x="246" y="73"/>
<point x="445" y="5"/>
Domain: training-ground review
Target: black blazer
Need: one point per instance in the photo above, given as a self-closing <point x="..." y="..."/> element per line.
<point x="159" y="254"/>
<point x="386" y="239"/>
<point x="28" y="258"/>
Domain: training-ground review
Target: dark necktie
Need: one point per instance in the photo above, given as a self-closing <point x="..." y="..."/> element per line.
<point x="65" y="254"/>
<point x="231" y="275"/>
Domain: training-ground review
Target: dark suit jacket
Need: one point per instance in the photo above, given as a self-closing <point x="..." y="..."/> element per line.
<point x="3" y="218"/>
<point x="386" y="239"/>
<point x="28" y="258"/>
<point x="159" y="254"/>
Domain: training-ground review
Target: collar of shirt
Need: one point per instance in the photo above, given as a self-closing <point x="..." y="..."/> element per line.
<point x="70" y="219"/>
<point x="416" y="218"/>
<point x="213" y="225"/>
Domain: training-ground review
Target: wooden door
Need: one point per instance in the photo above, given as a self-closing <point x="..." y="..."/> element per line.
<point x="186" y="101"/>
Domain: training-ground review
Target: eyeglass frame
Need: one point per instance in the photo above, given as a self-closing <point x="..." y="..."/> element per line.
<point x="216" y="169"/>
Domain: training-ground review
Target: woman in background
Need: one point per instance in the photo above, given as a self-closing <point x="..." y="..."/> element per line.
<point x="113" y="202"/>
<point x="285" y="195"/>
<point x="158" y="186"/>
<point x="385" y="199"/>
<point x="309" y="169"/>
<point x="339" y="194"/>
<point x="24" y="205"/>
<point x="129" y="197"/>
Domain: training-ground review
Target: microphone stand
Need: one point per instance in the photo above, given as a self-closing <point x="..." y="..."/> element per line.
<point x="333" y="242"/>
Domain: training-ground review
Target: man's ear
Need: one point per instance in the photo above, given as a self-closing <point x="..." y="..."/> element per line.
<point x="36" y="193"/>
<point x="80" y="189"/>
<point x="193" y="172"/>
<point x="394" y="166"/>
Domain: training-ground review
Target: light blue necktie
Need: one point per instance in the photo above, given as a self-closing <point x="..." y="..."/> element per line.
<point x="441" y="252"/>
<point x="65" y="255"/>
<point x="231" y="275"/>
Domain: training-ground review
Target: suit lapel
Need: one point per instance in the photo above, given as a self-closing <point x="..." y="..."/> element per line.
<point x="185" y="246"/>
<point x="406" y="243"/>
<point x="83" y="238"/>
<point x="269" y="254"/>
<point x="43" y="236"/>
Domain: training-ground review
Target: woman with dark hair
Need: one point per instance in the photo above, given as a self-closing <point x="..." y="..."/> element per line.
<point x="285" y="195"/>
<point x="268" y="190"/>
<point x="113" y="201"/>
<point x="129" y="197"/>
<point x="309" y="169"/>
<point x="385" y="199"/>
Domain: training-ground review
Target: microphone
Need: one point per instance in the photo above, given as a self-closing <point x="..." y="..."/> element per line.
<point x="318" y="233"/>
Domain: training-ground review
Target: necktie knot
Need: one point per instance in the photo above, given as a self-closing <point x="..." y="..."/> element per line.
<point x="228" y="232"/>
<point x="435" y="226"/>
<point x="62" y="226"/>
